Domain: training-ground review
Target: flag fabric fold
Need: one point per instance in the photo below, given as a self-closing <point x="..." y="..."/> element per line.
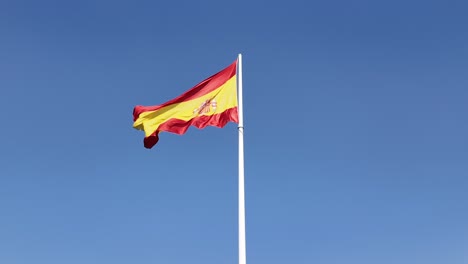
<point x="212" y="102"/>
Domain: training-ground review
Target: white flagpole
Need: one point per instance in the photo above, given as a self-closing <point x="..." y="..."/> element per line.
<point x="242" y="254"/>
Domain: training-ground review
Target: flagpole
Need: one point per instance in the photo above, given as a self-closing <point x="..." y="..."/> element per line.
<point x="242" y="247"/>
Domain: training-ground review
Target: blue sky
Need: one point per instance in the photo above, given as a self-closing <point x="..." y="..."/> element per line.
<point x="355" y="132"/>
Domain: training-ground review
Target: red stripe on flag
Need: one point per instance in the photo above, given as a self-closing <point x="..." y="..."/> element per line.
<point x="179" y="127"/>
<point x="206" y="86"/>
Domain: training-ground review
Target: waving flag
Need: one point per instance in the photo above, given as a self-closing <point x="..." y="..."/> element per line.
<point x="212" y="102"/>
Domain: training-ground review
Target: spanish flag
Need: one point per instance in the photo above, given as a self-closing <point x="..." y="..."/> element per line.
<point x="212" y="102"/>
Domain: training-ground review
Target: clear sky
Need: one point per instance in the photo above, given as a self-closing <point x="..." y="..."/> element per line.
<point x="356" y="132"/>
